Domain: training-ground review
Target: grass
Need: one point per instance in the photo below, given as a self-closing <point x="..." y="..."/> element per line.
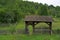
<point x="30" y="37"/>
<point x="21" y="25"/>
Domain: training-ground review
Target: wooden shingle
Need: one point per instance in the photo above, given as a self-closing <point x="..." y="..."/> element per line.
<point x="38" y="18"/>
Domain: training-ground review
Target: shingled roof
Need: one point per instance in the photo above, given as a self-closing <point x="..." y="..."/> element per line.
<point x="38" y="18"/>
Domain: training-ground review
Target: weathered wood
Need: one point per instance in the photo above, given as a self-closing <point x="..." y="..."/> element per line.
<point x="50" y="27"/>
<point x="26" y="27"/>
<point x="33" y="20"/>
<point x="33" y="26"/>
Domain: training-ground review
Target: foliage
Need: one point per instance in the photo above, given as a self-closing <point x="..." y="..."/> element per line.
<point x="11" y="11"/>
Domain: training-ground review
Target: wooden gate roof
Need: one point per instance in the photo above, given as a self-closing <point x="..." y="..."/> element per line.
<point x="38" y="18"/>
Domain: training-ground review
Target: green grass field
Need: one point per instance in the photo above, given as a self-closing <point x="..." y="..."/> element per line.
<point x="21" y="25"/>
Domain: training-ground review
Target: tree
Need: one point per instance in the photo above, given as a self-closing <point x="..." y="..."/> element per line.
<point x="43" y="10"/>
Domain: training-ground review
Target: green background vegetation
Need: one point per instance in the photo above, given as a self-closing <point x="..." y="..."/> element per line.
<point x="13" y="10"/>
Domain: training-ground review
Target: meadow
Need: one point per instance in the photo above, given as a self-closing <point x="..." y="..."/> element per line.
<point x="19" y="28"/>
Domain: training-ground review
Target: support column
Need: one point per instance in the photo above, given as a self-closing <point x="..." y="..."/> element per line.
<point x="26" y="27"/>
<point x="33" y="26"/>
<point x="50" y="27"/>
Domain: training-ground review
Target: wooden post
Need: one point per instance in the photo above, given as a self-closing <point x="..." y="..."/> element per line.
<point x="50" y="27"/>
<point x="33" y="27"/>
<point x="26" y="27"/>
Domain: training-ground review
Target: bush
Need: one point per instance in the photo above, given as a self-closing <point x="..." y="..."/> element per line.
<point x="9" y="17"/>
